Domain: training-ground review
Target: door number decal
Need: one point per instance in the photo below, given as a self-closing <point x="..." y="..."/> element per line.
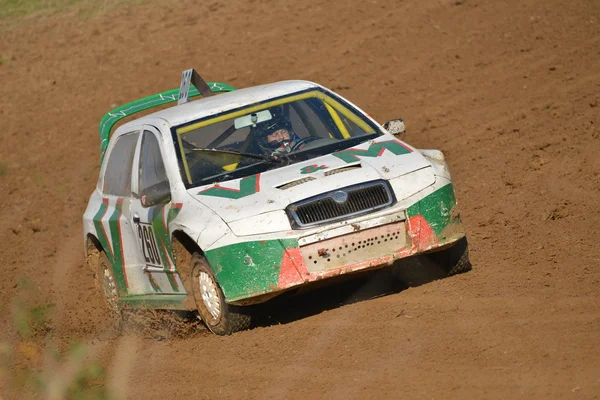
<point x="149" y="245"/>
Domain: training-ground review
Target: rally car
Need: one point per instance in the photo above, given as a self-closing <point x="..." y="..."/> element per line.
<point x="227" y="201"/>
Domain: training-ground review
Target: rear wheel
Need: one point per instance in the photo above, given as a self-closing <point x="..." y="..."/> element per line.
<point x="220" y="317"/>
<point x="105" y="281"/>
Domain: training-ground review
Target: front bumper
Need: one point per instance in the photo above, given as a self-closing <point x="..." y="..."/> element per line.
<point x="252" y="272"/>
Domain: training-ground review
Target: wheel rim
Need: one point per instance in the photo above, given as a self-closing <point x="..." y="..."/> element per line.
<point x="110" y="289"/>
<point x="210" y="297"/>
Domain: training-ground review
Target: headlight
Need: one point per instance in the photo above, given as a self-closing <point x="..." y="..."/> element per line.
<point x="269" y="222"/>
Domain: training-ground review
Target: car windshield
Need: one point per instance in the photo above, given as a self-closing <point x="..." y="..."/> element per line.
<point x="268" y="135"/>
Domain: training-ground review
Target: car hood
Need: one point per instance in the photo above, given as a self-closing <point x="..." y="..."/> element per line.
<point x="275" y="189"/>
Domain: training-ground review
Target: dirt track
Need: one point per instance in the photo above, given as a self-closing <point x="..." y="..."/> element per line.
<point x="509" y="90"/>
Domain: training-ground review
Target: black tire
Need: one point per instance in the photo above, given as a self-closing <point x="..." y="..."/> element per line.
<point x="109" y="291"/>
<point x="454" y="260"/>
<point x="220" y="317"/>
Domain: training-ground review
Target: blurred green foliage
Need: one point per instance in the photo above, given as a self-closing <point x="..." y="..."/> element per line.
<point x="24" y="363"/>
<point x="23" y="8"/>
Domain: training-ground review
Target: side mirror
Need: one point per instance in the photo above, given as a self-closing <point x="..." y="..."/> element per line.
<point x="159" y="193"/>
<point x="395" y="126"/>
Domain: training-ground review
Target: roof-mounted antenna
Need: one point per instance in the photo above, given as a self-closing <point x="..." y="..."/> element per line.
<point x="191" y="76"/>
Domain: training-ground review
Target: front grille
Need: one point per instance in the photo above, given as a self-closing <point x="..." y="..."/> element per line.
<point x="341" y="204"/>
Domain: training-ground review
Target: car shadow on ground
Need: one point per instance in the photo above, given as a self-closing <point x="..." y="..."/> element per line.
<point x="295" y="305"/>
<point x="336" y="292"/>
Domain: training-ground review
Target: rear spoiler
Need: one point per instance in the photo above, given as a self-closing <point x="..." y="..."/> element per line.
<point x="181" y="95"/>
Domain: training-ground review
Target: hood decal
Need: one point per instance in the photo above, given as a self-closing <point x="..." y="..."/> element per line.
<point x="249" y="185"/>
<point x="374" y="150"/>
<point x="309" y="169"/>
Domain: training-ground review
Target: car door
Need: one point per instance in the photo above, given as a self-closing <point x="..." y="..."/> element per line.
<point x="112" y="220"/>
<point x="151" y="222"/>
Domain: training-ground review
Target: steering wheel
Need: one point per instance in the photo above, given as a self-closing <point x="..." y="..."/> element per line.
<point x="304" y="141"/>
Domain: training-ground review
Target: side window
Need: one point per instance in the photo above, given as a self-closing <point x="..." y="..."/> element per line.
<point x="152" y="168"/>
<point x="117" y="177"/>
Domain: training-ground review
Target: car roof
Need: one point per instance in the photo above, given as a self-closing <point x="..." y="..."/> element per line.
<point x="216" y="104"/>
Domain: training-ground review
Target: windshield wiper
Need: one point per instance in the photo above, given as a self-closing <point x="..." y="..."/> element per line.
<point x="226" y="175"/>
<point x="269" y="159"/>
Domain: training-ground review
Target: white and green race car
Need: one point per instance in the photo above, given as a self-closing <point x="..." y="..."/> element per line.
<point x="232" y="199"/>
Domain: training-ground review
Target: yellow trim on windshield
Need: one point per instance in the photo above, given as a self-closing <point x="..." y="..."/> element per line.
<point x="245" y="111"/>
<point x="185" y="164"/>
<point x="332" y="105"/>
<point x="338" y="121"/>
<point x="230" y="167"/>
<point x="322" y="96"/>
<point x="348" y="114"/>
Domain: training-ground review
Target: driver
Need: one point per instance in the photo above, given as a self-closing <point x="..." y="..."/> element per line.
<point x="276" y="135"/>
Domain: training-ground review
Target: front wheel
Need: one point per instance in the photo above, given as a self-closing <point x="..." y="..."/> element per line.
<point x="454" y="260"/>
<point x="220" y="317"/>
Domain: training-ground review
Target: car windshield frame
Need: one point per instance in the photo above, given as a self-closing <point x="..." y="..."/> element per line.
<point x="268" y="164"/>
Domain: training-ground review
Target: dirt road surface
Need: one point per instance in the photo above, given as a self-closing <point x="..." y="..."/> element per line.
<point x="509" y="90"/>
